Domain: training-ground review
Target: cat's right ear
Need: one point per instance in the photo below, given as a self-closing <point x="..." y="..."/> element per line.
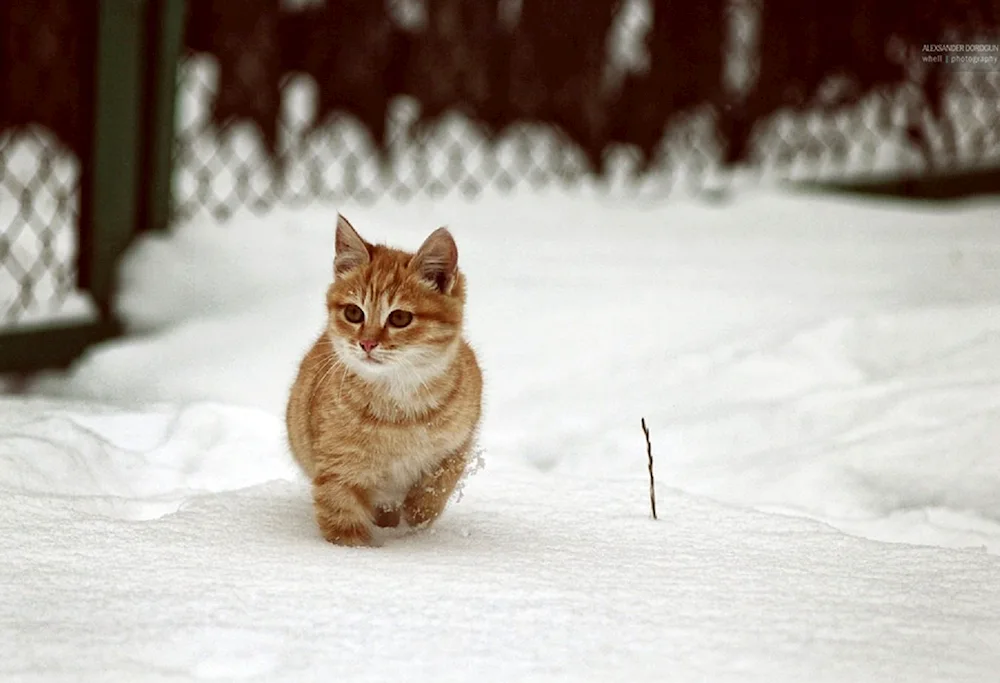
<point x="351" y="250"/>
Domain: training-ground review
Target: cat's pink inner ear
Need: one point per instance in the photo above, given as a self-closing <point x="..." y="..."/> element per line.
<point x="351" y="250"/>
<point x="437" y="260"/>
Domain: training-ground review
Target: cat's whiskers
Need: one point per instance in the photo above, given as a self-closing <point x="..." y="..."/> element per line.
<point x="328" y="364"/>
<point x="343" y="377"/>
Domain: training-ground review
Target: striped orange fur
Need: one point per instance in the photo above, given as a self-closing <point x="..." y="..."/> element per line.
<point x="386" y="404"/>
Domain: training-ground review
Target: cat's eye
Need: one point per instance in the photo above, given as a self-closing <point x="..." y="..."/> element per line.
<point x="400" y="318"/>
<point x="354" y="314"/>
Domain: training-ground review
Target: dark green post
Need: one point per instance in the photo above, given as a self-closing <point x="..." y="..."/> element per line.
<point x="166" y="40"/>
<point x="112" y="205"/>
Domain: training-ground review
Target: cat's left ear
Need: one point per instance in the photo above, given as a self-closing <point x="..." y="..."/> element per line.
<point x="352" y="251"/>
<point x="437" y="260"/>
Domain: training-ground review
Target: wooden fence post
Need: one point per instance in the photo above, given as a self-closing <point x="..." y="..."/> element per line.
<point x="165" y="42"/>
<point x="109" y="201"/>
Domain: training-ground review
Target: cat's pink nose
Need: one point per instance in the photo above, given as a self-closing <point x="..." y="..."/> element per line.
<point x="368" y="344"/>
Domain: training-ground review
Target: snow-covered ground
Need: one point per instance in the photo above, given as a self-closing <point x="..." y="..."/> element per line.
<point x="819" y="375"/>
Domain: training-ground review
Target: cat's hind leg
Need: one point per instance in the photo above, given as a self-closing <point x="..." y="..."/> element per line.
<point x="387" y="517"/>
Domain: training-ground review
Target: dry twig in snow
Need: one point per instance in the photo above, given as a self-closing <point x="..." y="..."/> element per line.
<point x="649" y="453"/>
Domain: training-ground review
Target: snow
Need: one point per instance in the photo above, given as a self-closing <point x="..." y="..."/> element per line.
<point x="526" y="578"/>
<point x="135" y="464"/>
<point x="820" y="379"/>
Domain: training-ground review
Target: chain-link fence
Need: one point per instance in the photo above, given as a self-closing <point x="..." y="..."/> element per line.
<point x="348" y="99"/>
<point x="39" y="206"/>
<point x="44" y="54"/>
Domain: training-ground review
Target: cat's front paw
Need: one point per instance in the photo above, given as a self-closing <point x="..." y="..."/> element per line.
<point x="340" y="514"/>
<point x="355" y="535"/>
<point x="421" y="510"/>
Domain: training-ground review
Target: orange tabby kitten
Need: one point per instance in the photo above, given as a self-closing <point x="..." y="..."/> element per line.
<point x="386" y="404"/>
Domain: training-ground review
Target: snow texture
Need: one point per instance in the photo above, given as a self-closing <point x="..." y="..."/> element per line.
<point x="819" y="376"/>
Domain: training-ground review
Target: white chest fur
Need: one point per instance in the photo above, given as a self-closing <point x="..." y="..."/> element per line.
<point x="408" y="461"/>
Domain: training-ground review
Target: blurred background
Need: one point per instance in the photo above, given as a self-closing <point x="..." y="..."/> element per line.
<point x="123" y="116"/>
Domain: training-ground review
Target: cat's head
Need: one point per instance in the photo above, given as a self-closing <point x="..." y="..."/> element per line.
<point x="393" y="314"/>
